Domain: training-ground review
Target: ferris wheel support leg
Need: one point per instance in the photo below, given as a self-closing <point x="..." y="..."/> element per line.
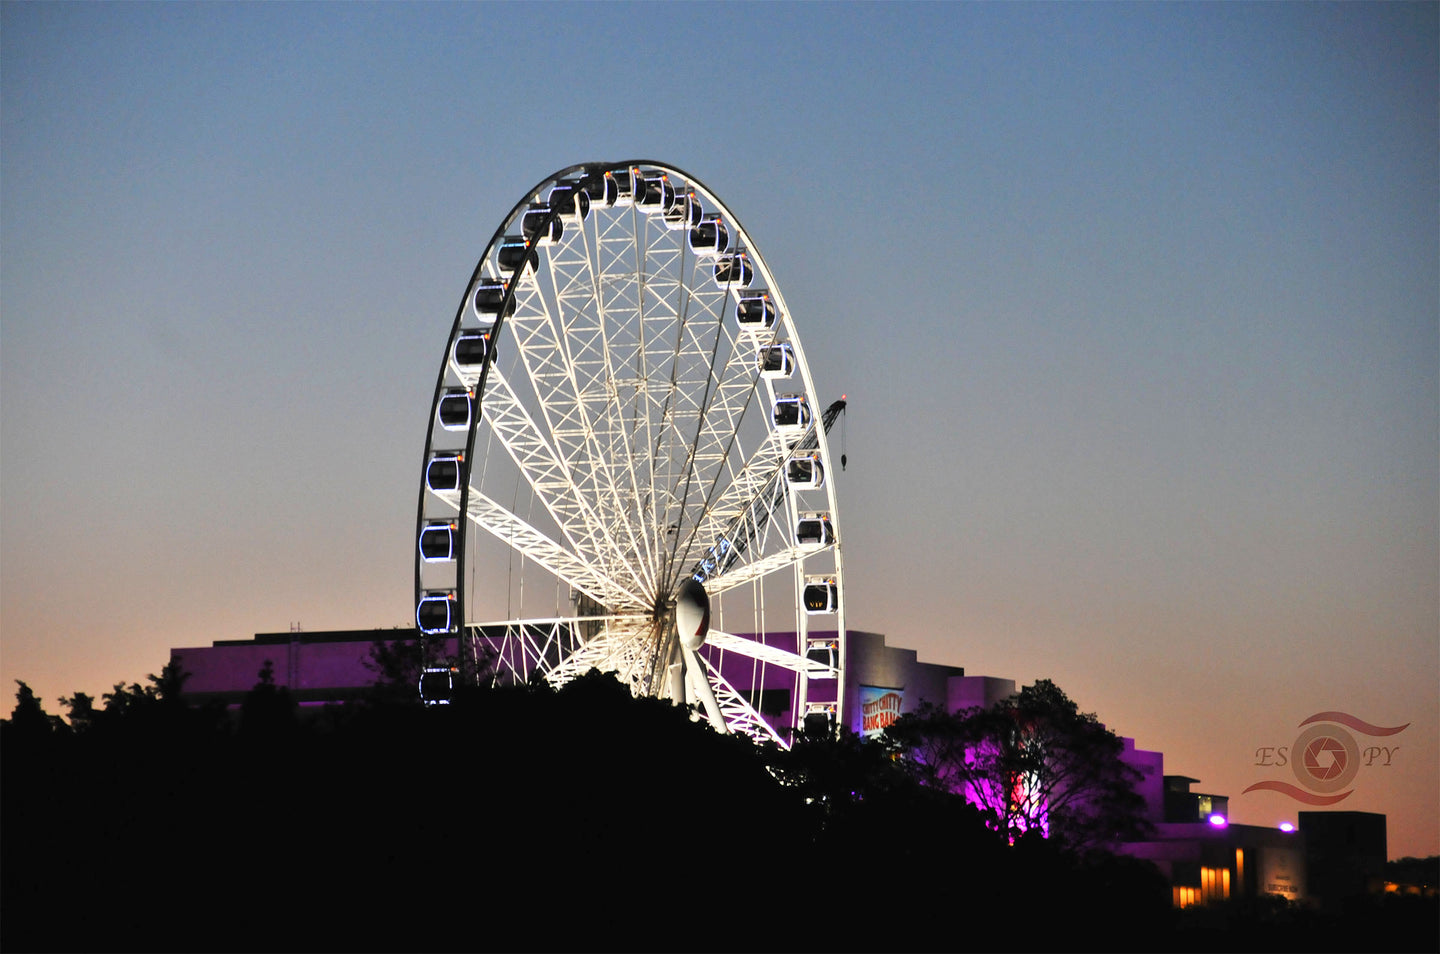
<point x="695" y="670"/>
<point x="675" y="683"/>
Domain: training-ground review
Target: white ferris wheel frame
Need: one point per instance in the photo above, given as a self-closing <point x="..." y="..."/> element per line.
<point x="624" y="410"/>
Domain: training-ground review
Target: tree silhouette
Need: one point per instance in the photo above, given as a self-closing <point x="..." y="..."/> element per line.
<point x="527" y="797"/>
<point x="1030" y="763"/>
<point x="396" y="666"/>
<point x="268" y="709"/>
<point x="82" y="711"/>
<point x="29" y="718"/>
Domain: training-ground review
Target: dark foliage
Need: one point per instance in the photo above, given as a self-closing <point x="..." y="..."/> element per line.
<point x="522" y="818"/>
<point x="1271" y="923"/>
<point x="1031" y="763"/>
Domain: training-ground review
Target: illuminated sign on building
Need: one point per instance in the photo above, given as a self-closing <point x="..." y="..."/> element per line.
<point x="879" y="707"/>
<point x="1282" y="872"/>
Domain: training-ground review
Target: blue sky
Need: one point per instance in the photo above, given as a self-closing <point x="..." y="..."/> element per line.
<point x="1135" y="305"/>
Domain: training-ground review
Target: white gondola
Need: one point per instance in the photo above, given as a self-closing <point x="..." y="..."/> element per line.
<point x="756" y="311"/>
<point x="658" y="194"/>
<point x="804" y="472"/>
<point x="442" y="474"/>
<point x="472" y="347"/>
<point x="710" y="236"/>
<point x="791" y="412"/>
<point x="570" y="201"/>
<point x="686" y="212"/>
<point x="824" y="655"/>
<point x="516" y="251"/>
<point x="436" y="612"/>
<point x="533" y="225"/>
<point x="734" y="271"/>
<point x="820" y="718"/>
<point x="437" y="685"/>
<point x="455" y="409"/>
<point x="775" y="361"/>
<point x="601" y="188"/>
<point x="628" y="184"/>
<point x="822" y="595"/>
<point x="437" y="543"/>
<point x="489" y="298"/>
<point x="814" y="530"/>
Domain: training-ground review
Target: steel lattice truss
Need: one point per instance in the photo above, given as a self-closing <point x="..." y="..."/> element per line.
<point x="620" y="439"/>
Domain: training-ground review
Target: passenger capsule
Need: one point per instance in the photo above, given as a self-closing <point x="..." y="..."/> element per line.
<point x="570" y="201"/>
<point x="658" y="194"/>
<point x="734" y="271"/>
<point x="822" y="595"/>
<point x="533" y="225"/>
<point x="628" y="184"/>
<point x="456" y="406"/>
<point x="814" y="530"/>
<point x="442" y="474"/>
<point x="437" y="685"/>
<point x="823" y="652"/>
<point x="434" y="614"/>
<point x="775" y="361"/>
<point x="438" y="542"/>
<point x="756" y="311"/>
<point x="805" y="472"/>
<point x="489" y="298"/>
<point x="601" y="188"/>
<point x="686" y="212"/>
<point x="791" y="411"/>
<point x="820" y="719"/>
<point x="710" y="237"/>
<point x="516" y="251"/>
<point x="471" y="348"/>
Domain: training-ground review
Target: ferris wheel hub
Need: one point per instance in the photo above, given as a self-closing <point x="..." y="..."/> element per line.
<point x="692" y="614"/>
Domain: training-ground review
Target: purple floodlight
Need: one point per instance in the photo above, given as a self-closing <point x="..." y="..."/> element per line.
<point x="1219" y="821"/>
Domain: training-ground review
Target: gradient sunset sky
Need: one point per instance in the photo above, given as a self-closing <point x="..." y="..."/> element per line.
<point x="1137" y="308"/>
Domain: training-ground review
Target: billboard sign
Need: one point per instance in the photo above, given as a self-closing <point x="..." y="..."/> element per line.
<point x="879" y="707"/>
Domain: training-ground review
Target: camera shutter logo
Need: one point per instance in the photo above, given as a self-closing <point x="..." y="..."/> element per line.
<point x="1325" y="758"/>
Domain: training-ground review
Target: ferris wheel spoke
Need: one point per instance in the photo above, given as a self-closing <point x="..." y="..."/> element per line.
<point x="559" y="560"/>
<point x="620" y="647"/>
<point x="756" y="569"/>
<point x="738" y="714"/>
<point x="770" y="655"/>
<point x="525" y="648"/>
<point x="729" y="392"/>
<point x="620" y="341"/>
<point x="742" y="510"/>
<point x="548" y="475"/>
<point x="564" y="432"/>
<point x="700" y="402"/>
<point x="623" y="423"/>
<point x="574" y="344"/>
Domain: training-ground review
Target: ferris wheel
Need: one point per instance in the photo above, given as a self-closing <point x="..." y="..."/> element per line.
<point x="624" y="434"/>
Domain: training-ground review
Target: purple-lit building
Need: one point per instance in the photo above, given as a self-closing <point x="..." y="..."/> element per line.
<point x="1326" y="858"/>
<point x="1208" y="859"/>
<point x="316" y="667"/>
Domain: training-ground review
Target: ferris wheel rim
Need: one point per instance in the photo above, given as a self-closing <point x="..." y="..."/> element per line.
<point x="575" y="175"/>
